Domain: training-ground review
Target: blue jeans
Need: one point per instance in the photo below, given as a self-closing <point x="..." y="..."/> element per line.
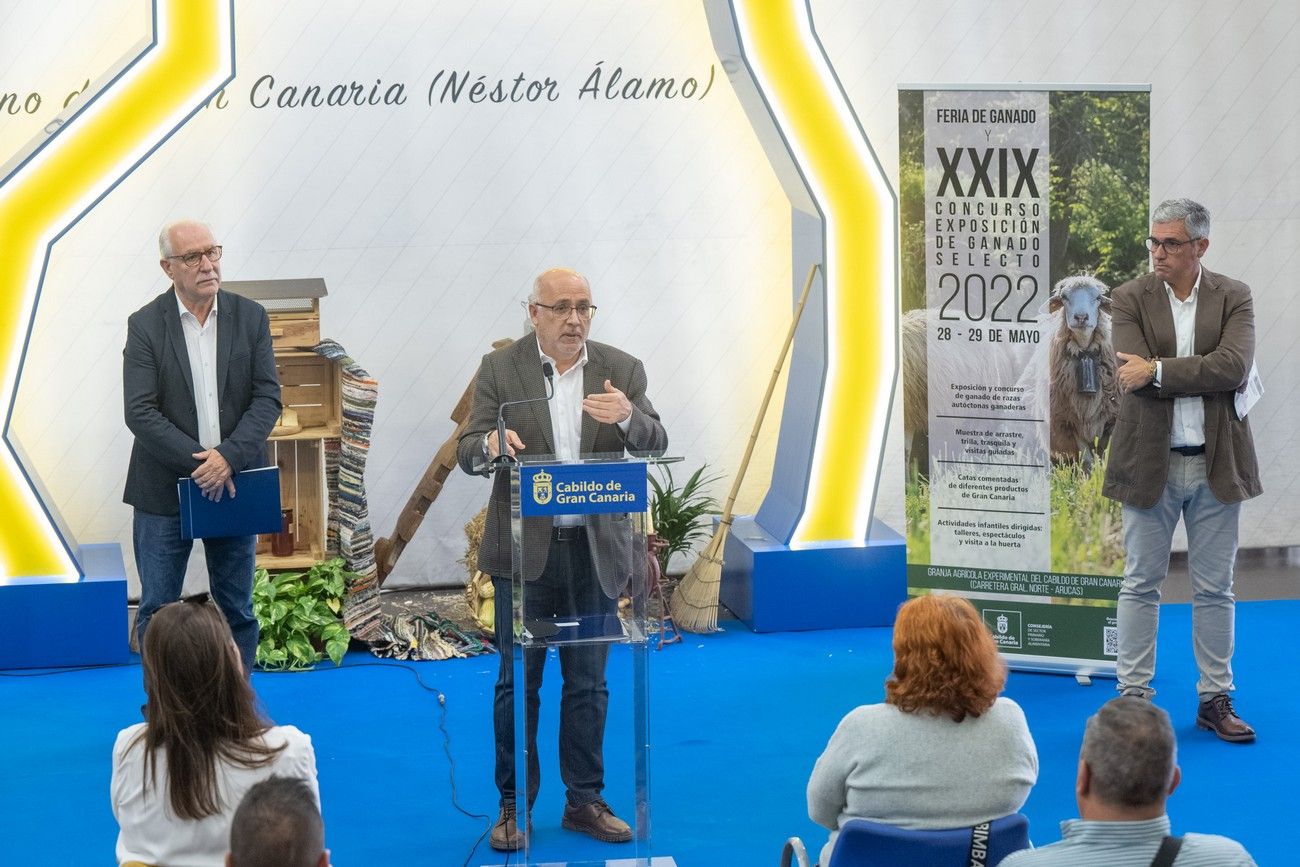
<point x="566" y="587"/>
<point x="160" y="558"/>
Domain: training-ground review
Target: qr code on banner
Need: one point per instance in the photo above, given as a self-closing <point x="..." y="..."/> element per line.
<point x="1110" y="640"/>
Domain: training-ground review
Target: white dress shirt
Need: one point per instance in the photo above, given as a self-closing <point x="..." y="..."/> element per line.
<point x="201" y="346"/>
<point x="566" y="407"/>
<point x="150" y="832"/>
<point x="566" y="417"/>
<point x="1189" y="412"/>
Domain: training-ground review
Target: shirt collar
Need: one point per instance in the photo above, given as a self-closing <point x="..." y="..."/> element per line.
<point x="1085" y="831"/>
<point x="582" y="359"/>
<point x="181" y="306"/>
<point x="1196" y="288"/>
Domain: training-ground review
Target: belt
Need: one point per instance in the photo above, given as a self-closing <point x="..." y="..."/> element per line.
<point x="1189" y="451"/>
<point x="568" y="534"/>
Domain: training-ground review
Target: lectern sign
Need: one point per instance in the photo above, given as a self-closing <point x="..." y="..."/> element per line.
<point x="582" y="489"/>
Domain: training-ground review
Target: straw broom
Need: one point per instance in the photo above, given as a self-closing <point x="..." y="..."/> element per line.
<point x="694" y="606"/>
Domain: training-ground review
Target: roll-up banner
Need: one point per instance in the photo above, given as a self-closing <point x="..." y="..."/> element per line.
<point x="1019" y="209"/>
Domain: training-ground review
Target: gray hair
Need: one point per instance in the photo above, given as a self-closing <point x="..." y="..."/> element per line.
<point x="1130" y="750"/>
<point x="165" y="235"/>
<point x="277" y="824"/>
<point x="1193" y="215"/>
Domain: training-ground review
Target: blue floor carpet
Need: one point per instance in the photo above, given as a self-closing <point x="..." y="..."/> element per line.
<point x="737" y="721"/>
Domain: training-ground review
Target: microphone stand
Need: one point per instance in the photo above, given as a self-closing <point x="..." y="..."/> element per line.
<point x="504" y="460"/>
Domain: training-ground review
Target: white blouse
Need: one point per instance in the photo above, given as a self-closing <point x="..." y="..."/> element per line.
<point x="152" y="833"/>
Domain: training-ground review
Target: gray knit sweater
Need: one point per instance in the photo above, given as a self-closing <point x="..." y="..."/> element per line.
<point x="916" y="770"/>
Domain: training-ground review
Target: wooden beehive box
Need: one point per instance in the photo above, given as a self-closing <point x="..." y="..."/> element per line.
<point x="292" y="305"/>
<point x="309" y="385"/>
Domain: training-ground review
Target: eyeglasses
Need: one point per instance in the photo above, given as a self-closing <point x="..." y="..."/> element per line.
<point x="564" y="308"/>
<point x="191" y="260"/>
<point x="1171" y="245"/>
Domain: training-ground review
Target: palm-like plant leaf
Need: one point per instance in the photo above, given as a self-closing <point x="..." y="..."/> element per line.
<point x="680" y="514"/>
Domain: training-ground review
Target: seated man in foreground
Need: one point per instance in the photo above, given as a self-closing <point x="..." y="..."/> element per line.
<point x="1127" y="768"/>
<point x="278" y="825"/>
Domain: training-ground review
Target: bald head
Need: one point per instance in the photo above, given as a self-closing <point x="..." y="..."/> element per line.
<point x="560" y="309"/>
<point x="557" y="279"/>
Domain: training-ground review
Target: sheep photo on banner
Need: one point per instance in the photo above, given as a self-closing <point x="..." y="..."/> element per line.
<point x="1019" y="211"/>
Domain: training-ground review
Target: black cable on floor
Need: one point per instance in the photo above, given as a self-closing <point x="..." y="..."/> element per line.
<point x="47" y="673"/>
<point x="442" y="721"/>
<point x="442" y="727"/>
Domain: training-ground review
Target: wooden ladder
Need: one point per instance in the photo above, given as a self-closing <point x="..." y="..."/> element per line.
<point x="389" y="548"/>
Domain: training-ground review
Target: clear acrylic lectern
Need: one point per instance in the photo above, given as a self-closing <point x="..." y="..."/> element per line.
<point x="579" y="593"/>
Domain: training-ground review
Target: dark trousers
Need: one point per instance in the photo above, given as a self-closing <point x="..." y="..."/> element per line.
<point x="566" y="587"/>
<point x="160" y="558"/>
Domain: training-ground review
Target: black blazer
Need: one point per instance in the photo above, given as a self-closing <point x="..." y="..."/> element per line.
<point x="158" y="393"/>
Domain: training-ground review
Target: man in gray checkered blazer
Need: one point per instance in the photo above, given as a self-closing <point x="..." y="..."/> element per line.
<point x="599" y="406"/>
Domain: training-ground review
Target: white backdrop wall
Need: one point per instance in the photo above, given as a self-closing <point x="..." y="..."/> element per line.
<point x="429" y="222"/>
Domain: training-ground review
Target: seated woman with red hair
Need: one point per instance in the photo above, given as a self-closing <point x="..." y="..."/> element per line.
<point x="943" y="750"/>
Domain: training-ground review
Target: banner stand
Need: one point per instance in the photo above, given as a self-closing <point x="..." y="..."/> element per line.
<point x="1020" y="208"/>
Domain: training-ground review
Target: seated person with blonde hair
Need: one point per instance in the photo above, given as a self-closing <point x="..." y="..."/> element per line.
<point x="943" y="750"/>
<point x="179" y="775"/>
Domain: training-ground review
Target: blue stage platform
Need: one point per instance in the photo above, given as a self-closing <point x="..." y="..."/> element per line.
<point x="47" y="622"/>
<point x="771" y="587"/>
<point x="738" y="720"/>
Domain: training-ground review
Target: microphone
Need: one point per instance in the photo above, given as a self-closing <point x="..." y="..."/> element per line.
<point x="504" y="459"/>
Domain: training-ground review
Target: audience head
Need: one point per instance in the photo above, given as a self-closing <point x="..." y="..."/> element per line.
<point x="192" y="669"/>
<point x="945" y="661"/>
<point x="278" y="825"/>
<point x="1128" y="764"/>
<point x="198" y="704"/>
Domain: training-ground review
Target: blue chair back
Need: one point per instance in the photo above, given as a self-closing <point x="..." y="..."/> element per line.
<point x="865" y="844"/>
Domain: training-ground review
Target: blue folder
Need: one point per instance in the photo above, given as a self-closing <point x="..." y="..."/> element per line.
<point x="254" y="509"/>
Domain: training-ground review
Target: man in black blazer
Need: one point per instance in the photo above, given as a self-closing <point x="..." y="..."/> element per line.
<point x="599" y="406"/>
<point x="201" y="395"/>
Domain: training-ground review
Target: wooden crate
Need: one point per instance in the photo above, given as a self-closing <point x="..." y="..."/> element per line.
<point x="293" y="307"/>
<point x="296" y="330"/>
<point x="309" y="385"/>
<point x="302" y="489"/>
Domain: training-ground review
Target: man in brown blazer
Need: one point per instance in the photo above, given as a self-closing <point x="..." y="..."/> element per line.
<point x="599" y="406"/>
<point x="1185" y="338"/>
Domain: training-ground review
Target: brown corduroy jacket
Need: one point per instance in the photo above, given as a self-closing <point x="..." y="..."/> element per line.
<point x="1138" y="466"/>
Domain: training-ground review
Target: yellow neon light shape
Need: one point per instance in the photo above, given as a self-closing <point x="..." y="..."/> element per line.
<point x="857" y="208"/>
<point x="91" y="153"/>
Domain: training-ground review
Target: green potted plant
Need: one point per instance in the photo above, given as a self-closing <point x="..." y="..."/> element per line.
<point x="299" y="616"/>
<point x="680" y="514"/>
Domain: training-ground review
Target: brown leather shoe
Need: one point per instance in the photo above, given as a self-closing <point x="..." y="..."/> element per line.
<point x="1217" y="715"/>
<point x="596" y="820"/>
<point x="505" y="836"/>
